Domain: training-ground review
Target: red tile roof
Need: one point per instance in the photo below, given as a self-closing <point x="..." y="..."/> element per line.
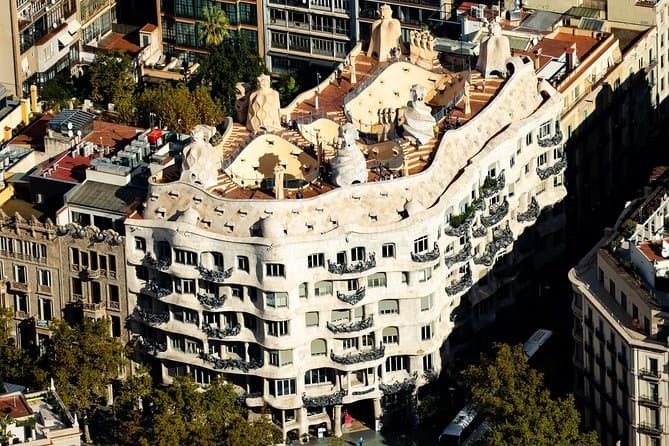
<point x="15" y="406"/>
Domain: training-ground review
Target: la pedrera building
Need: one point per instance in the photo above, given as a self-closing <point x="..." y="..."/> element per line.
<point x="316" y="255"/>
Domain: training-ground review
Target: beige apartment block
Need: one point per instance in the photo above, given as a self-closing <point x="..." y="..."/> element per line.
<point x="313" y="298"/>
<point x="620" y="311"/>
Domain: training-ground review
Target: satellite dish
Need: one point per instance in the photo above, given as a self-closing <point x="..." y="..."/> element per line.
<point x="69" y="133"/>
<point x="69" y="126"/>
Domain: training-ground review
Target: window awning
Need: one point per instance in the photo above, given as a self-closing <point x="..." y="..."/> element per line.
<point x="65" y="39"/>
<point x="73" y="27"/>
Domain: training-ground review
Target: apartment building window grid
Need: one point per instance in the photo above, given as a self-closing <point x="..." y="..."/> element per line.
<point x="275" y="270"/>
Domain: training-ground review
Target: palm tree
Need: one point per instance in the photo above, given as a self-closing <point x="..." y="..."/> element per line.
<point x="214" y="27"/>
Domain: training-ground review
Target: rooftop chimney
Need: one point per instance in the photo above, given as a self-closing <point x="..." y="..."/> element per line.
<point x="537" y="59"/>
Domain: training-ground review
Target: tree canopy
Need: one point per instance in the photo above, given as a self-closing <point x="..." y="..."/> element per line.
<point x="110" y="75"/>
<point x="226" y="65"/>
<point x="83" y="360"/>
<point x="184" y="414"/>
<point x="17" y="366"/>
<point x="521" y="411"/>
<point x="214" y="27"/>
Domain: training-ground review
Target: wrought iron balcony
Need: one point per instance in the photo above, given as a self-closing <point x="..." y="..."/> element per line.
<point x="492" y="186"/>
<point x="496" y="214"/>
<point x="161" y="264"/>
<point x="464" y="254"/>
<point x="324" y="400"/>
<point x="426" y="256"/>
<point x="551" y="140"/>
<point x="355" y="358"/>
<point x="153" y="288"/>
<point x="363" y="392"/>
<point x="354" y="298"/>
<point x="407" y="385"/>
<point x="650" y="429"/>
<point x="552" y="170"/>
<point x="211" y="301"/>
<point x="358" y="267"/>
<point x="213" y="275"/>
<point x="501" y="239"/>
<point x="215" y="332"/>
<point x="150" y="346"/>
<point x="531" y="213"/>
<point x="480" y="231"/>
<point x="460" y="286"/>
<point x="150" y="317"/>
<point x="219" y="363"/>
<point x="352" y="326"/>
<point x="653" y="375"/>
<point x="652" y="401"/>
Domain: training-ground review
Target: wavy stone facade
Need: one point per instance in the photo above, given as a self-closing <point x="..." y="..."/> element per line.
<point x="348" y="296"/>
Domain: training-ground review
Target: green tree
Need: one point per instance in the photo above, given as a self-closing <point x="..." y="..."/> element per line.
<point x="57" y="91"/>
<point x="83" y="360"/>
<point x="124" y="101"/>
<point x="521" y="411"/>
<point x="108" y="75"/>
<point x="226" y="65"/>
<point x="17" y="365"/>
<point x="214" y="27"/>
<point x="287" y="87"/>
<point x="5" y="435"/>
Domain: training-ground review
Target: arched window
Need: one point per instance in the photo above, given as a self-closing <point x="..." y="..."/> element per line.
<point x="318" y="347"/>
<point x="391" y="335"/>
<point x="376" y="280"/>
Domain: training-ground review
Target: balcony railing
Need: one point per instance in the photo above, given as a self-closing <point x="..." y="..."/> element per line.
<point x="492" y="186"/>
<point x="113" y="305"/>
<point x="355" y="358"/>
<point x="406" y="385"/>
<point x="150" y="317"/>
<point x="354" y="298"/>
<point x="213" y="275"/>
<point x="556" y="168"/>
<point x="652" y="401"/>
<point x="324" y="400"/>
<point x="496" y="214"/>
<point x="150" y="346"/>
<point x="351" y="326"/>
<point x="358" y="267"/>
<point x="463" y="255"/>
<point x="501" y="239"/>
<point x="161" y="264"/>
<point x="426" y="256"/>
<point x="87" y="306"/>
<point x="18" y="286"/>
<point x="215" y="332"/>
<point x="154" y="289"/>
<point x="532" y="212"/>
<point x="551" y="140"/>
<point x="219" y="363"/>
<point x="650" y="429"/>
<point x="463" y="284"/>
<point x="211" y="301"/>
<point x="653" y="375"/>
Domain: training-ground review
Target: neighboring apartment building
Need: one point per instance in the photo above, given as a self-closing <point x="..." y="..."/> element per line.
<point x="347" y="297"/>
<point x="620" y="332"/>
<point x="97" y="18"/>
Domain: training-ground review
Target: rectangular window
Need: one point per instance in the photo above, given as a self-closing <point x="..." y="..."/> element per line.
<point x="311" y="318"/>
<point x="302" y="291"/>
<point x="116" y="326"/>
<point x="352" y="284"/>
<point x="185" y="257"/>
<point x="140" y="243"/>
<point x="276" y="300"/>
<point x="45" y="309"/>
<point x="426" y="302"/>
<point x="113" y="293"/>
<point x="424" y="275"/>
<point x="96" y="292"/>
<point x="368" y="340"/>
<point x="44" y="277"/>
<point x="426" y="332"/>
<point x="277" y="328"/>
<point x="316" y="260"/>
<point x="20" y="274"/>
<point x="623" y="301"/>
<point x="350" y="343"/>
<point x="395" y="363"/>
<point x="420" y="244"/>
<point x="74" y="254"/>
<point x="281" y="387"/>
<point x="528" y="139"/>
<point x="112" y="264"/>
<point x="323" y="288"/>
<point x="77" y="288"/>
<point x="389" y="306"/>
<point x="542" y="159"/>
<point x="317" y="376"/>
<point x="340" y="315"/>
<point x="186" y="286"/>
<point x="427" y="362"/>
<point x="21" y="302"/>
<point x="545" y="129"/>
<point x="358" y="254"/>
<point x="275" y="270"/>
<point x="388" y="250"/>
<point x="243" y="263"/>
<point x="376" y="280"/>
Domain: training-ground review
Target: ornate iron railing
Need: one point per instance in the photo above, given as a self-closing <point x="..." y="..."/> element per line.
<point x="160" y="264"/>
<point x="363" y="392"/>
<point x="150" y="317"/>
<point x="407" y="385"/>
<point x="552" y="170"/>
<point x="324" y="400"/>
<point x="480" y="231"/>
<point x="532" y="212"/>
<point x="552" y="140"/>
<point x="351" y="326"/>
<point x="497" y="213"/>
<point x="464" y="254"/>
<point x="501" y="239"/>
<point x="215" y="332"/>
<point x="150" y="346"/>
<point x="355" y="358"/>
<point x="211" y="301"/>
<point x="499" y="182"/>
<point x="219" y="363"/>
<point x="152" y="287"/>
<point x="461" y="285"/>
<point x="426" y="256"/>
<point x="358" y="267"/>
<point x="213" y="275"/>
<point x="354" y="298"/>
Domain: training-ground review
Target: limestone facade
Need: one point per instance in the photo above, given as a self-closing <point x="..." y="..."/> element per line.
<point x="315" y="304"/>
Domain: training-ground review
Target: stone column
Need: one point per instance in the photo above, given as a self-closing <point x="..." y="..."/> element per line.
<point x="378" y="412"/>
<point x="336" y="422"/>
<point x="33" y="98"/>
<point x="348" y="383"/>
<point x="246" y="351"/>
<point x="353" y="78"/>
<point x="302" y="421"/>
<point x="278" y="181"/>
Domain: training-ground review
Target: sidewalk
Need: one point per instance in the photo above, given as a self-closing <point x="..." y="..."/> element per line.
<point x="371" y="438"/>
